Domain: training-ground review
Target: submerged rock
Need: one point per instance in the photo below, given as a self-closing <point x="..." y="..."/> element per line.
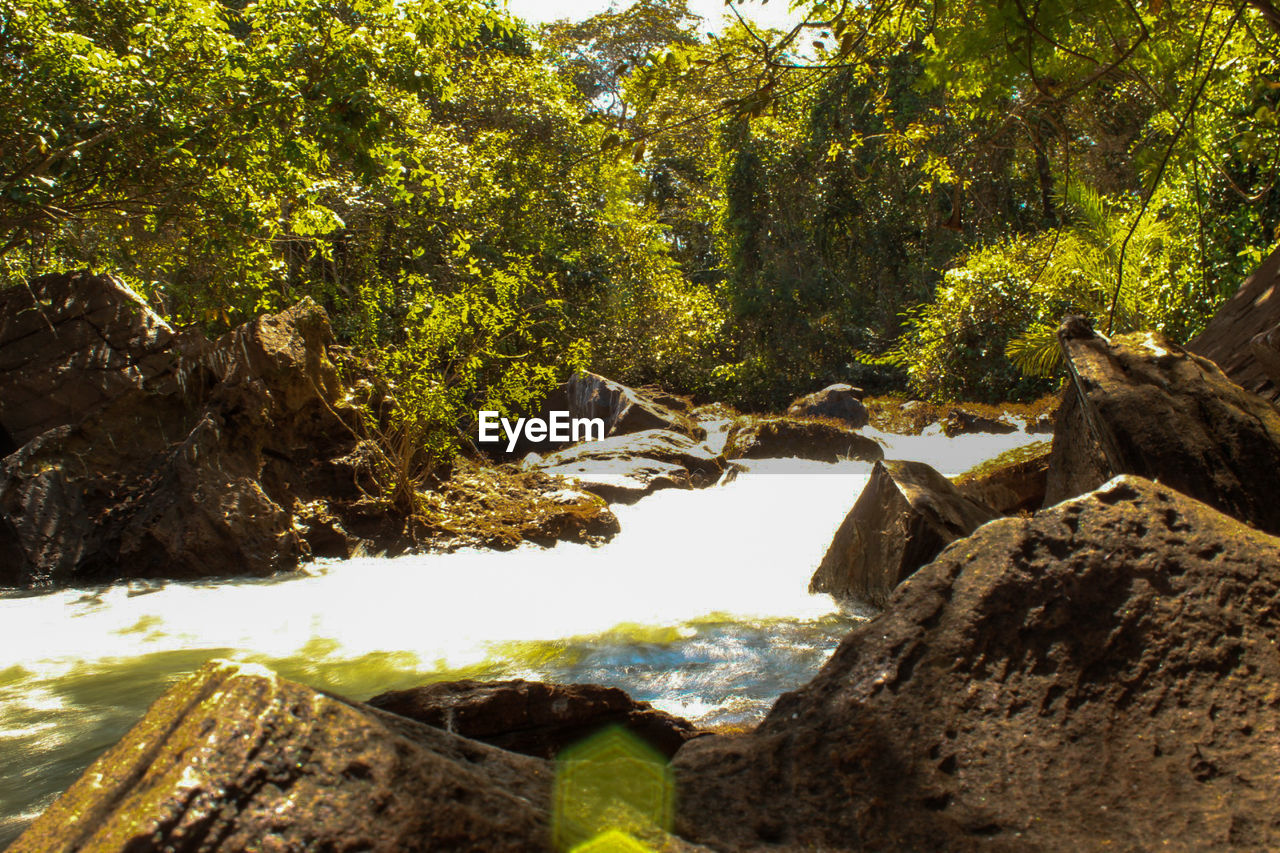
<point x="906" y="514"/>
<point x="1102" y="675"/>
<point x="236" y="758"/>
<point x="1012" y="482"/>
<point x="1142" y="405"/>
<point x="782" y="437"/>
<point x="625" y="468"/>
<point x="532" y="717"/>
<point x="1227" y="339"/>
<point x="839" y="402"/>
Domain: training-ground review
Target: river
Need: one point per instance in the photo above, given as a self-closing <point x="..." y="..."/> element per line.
<point x="700" y="606"/>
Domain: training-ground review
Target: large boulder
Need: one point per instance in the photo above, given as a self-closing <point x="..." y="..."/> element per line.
<point x="1145" y="406"/>
<point x="189" y="472"/>
<point x="1012" y="482"/>
<point x="781" y="437"/>
<point x="1253" y="311"/>
<point x="1100" y="676"/>
<point x="906" y="514"/>
<point x="624" y="410"/>
<point x="69" y="344"/>
<point x="533" y="717"/>
<point x="625" y="468"/>
<point x="840" y="402"/>
<point x="237" y="759"/>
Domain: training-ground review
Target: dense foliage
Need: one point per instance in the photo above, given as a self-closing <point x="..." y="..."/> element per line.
<point x="894" y="193"/>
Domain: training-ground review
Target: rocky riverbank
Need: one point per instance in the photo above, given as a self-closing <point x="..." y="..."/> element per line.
<point x="137" y="451"/>
<point x="1098" y="673"/>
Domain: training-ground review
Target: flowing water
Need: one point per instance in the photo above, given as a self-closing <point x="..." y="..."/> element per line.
<point x="699" y="605"/>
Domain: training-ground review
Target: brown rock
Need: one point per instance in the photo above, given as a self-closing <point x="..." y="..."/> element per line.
<point x="238" y="759"/>
<point x="534" y="718"/>
<point x="624" y="410"/>
<point x="69" y="344"/>
<point x="1265" y="347"/>
<point x="1101" y="676"/>
<point x="805" y="438"/>
<point x="1013" y="482"/>
<point x="187" y="468"/>
<point x="906" y="514"/>
<point x="840" y="402"/>
<point x="1253" y="310"/>
<point x="962" y="422"/>
<point x="1148" y="407"/>
<point x="625" y="468"/>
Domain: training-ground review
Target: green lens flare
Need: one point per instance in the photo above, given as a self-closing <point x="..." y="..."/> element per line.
<point x="611" y="787"/>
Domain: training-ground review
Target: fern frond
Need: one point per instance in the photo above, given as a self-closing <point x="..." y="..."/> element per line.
<point x="1036" y="352"/>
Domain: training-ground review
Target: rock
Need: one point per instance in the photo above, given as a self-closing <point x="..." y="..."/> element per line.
<point x="69" y="344"/>
<point x="961" y="422"/>
<point x="1100" y="676"/>
<point x="481" y="506"/>
<point x="1265" y="347"/>
<point x="781" y="437"/>
<point x="674" y="402"/>
<point x="534" y="718"/>
<point x="171" y="456"/>
<point x="1040" y="424"/>
<point x="1076" y="462"/>
<point x="190" y="471"/>
<point x="1145" y="406"/>
<point x="840" y="402"/>
<point x="625" y="468"/>
<point x="624" y="410"/>
<point x="1254" y="310"/>
<point x="906" y="514"/>
<point x="235" y="758"/>
<point x="1013" y="482"/>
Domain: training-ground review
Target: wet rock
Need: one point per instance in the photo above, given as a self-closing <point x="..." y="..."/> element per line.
<point x="1013" y="482"/>
<point x="962" y="422"/>
<point x="1145" y="406"/>
<point x="534" y="718"/>
<point x="625" y="468"/>
<point x="1253" y="311"/>
<point x="1102" y="675"/>
<point x="840" y="402"/>
<point x="69" y="344"/>
<point x="907" y="513"/>
<point x="236" y="759"/>
<point x="781" y="437"/>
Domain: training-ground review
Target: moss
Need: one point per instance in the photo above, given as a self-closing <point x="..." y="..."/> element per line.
<point x="888" y="414"/>
<point x="501" y="507"/>
<point x="1016" y="456"/>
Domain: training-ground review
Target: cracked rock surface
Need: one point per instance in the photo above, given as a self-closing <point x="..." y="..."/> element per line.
<point x="1104" y="675"/>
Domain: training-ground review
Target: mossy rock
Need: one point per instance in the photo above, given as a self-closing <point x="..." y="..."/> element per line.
<point x="821" y="439"/>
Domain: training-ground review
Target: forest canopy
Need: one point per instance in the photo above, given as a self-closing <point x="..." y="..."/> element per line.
<point x="899" y="194"/>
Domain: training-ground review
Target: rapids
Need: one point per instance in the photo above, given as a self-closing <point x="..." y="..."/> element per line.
<point x="699" y="605"/>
